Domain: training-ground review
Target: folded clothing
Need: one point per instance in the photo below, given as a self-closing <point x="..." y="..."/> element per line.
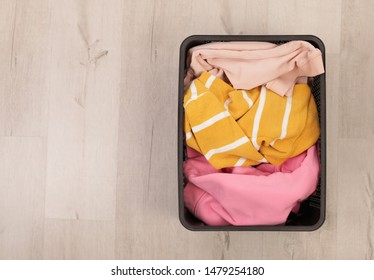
<point x="246" y="195"/>
<point x="247" y="127"/>
<point x="247" y="65"/>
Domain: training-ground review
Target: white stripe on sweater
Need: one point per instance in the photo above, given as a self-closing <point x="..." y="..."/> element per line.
<point x="193" y="90"/>
<point x="210" y="121"/>
<point x="257" y="119"/>
<point x="210" y="81"/>
<point x="240" y="161"/>
<point x="188" y="135"/>
<point x="286" y="118"/>
<point x="226" y="104"/>
<point x="227" y="147"/>
<point x="246" y="98"/>
<point x="192" y="99"/>
<point x="263" y="160"/>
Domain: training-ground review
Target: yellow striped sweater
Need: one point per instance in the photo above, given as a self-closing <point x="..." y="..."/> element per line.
<point x="247" y="127"/>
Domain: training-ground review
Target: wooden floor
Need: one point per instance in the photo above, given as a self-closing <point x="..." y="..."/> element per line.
<point x="88" y="128"/>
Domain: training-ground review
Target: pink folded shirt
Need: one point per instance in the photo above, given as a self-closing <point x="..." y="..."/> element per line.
<point x="247" y="65"/>
<point x="246" y="195"/>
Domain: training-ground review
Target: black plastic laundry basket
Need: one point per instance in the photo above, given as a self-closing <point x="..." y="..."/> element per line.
<point x="312" y="211"/>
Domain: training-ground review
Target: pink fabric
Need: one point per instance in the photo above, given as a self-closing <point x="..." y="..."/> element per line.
<point x="247" y="65"/>
<point x="249" y="196"/>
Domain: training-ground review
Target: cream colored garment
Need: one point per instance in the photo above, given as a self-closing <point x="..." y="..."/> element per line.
<point x="247" y="65"/>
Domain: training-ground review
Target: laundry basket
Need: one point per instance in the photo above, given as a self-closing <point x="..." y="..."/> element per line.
<point x="312" y="211"/>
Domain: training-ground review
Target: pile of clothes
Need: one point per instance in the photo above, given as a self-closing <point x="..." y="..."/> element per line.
<point x="251" y="128"/>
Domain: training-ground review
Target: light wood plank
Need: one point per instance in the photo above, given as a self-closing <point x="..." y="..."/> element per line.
<point x="243" y="245"/>
<point x="22" y="165"/>
<point x="230" y="17"/>
<point x="204" y="245"/>
<point x="154" y="236"/>
<point x="147" y="183"/>
<point x="356" y="110"/>
<point x="79" y="239"/>
<point x="24" y="26"/>
<point x="83" y="110"/>
<point x="355" y="222"/>
<point x="320" y="18"/>
<point x="283" y="245"/>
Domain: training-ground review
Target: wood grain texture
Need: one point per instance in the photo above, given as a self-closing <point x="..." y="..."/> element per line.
<point x="355" y="222"/>
<point x="24" y="26"/>
<point x="356" y="112"/>
<point x="228" y="17"/>
<point x="320" y="18"/>
<point x="78" y="239"/>
<point x="88" y="128"/>
<point x="21" y="197"/>
<point x="83" y="110"/>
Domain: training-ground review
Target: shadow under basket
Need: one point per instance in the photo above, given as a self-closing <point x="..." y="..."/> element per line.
<point x="312" y="211"/>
